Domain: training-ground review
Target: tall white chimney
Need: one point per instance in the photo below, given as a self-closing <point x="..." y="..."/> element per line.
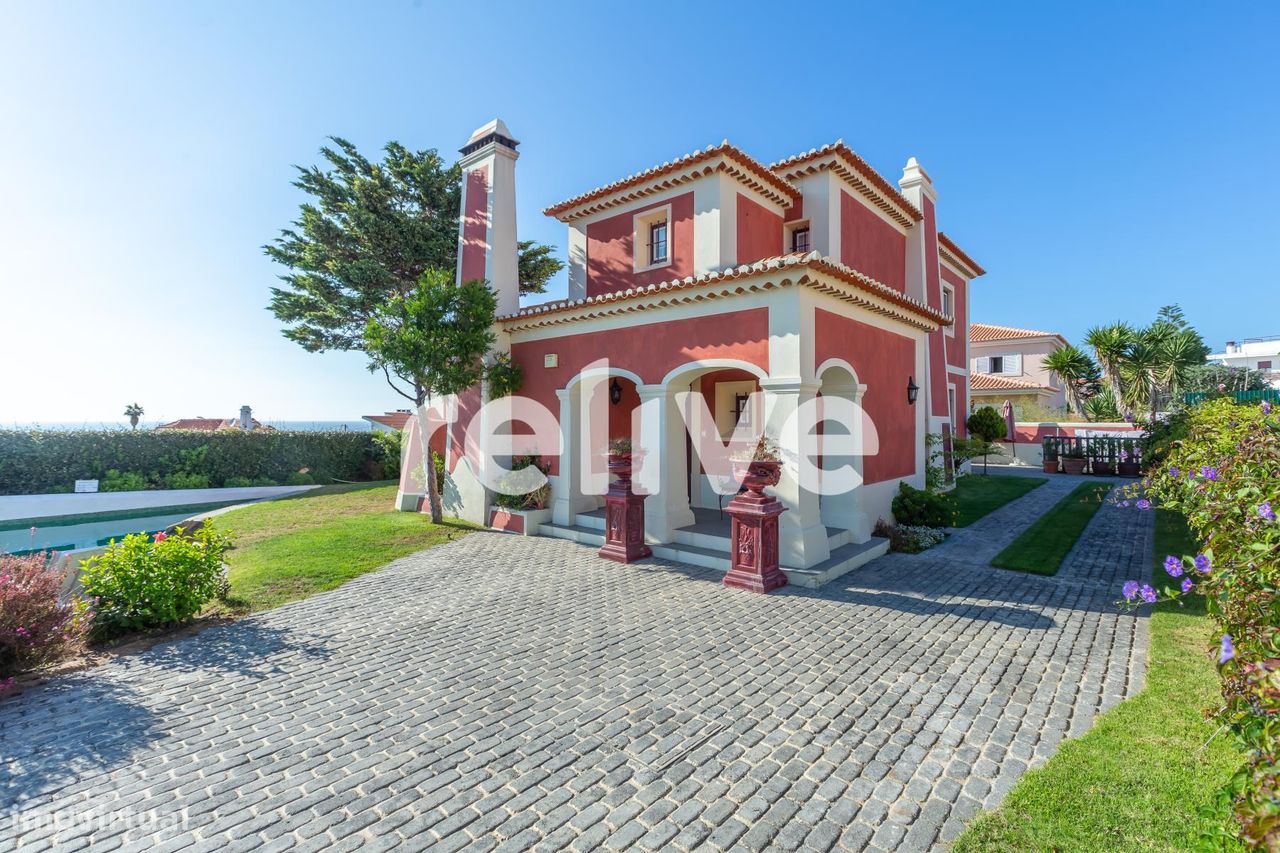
<point x="487" y="227"/>
<point x="246" y="418"/>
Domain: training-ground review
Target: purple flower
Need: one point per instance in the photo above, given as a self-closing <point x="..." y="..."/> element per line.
<point x="1266" y="407"/>
<point x="1148" y="593"/>
<point x="1209" y="473"/>
<point x="1173" y="566"/>
<point x="1228" y="650"/>
<point x="1129" y="417"/>
<point x="1265" y="510"/>
<point x="1124" y="503"/>
<point x="1130" y="590"/>
<point x="22" y="632"/>
<point x="1202" y="564"/>
<point x="1144" y="504"/>
<point x="1186" y="584"/>
<point x="1124" y="456"/>
<point x="1173" y="471"/>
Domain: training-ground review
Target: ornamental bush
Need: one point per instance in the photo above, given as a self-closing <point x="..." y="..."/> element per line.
<point x="1220" y="467"/>
<point x="144" y="582"/>
<point x="36" y="461"/>
<point x="910" y="539"/>
<point x="917" y="508"/>
<point x="36" y="628"/>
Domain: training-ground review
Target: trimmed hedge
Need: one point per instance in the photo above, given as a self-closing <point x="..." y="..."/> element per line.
<point x="36" y="462"/>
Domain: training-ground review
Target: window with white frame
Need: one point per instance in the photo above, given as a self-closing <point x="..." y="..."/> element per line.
<point x="949" y="306"/>
<point x="795" y="236"/>
<point x="800" y="240"/>
<point x="652" y="239"/>
<point x="1009" y="364"/>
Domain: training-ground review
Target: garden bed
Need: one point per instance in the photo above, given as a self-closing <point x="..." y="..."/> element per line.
<point x="1045" y="544"/>
<point x="978" y="495"/>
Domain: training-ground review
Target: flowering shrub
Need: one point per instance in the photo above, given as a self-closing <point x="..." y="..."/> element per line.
<point x="35" y="627"/>
<point x="912" y="539"/>
<point x="1220" y="467"/>
<point x="141" y="582"/>
<point x="509" y="497"/>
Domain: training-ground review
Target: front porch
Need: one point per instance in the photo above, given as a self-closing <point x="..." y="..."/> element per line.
<point x="705" y="543"/>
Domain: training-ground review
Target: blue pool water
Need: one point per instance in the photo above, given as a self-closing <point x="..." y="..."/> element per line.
<point x="64" y="537"/>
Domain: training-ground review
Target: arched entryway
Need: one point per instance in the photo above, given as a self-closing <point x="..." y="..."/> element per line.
<point x="840" y="460"/>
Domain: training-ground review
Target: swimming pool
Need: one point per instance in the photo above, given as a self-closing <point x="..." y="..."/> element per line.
<point x="65" y="533"/>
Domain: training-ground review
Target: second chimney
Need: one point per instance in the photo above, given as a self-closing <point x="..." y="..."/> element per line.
<point x="487" y="227"/>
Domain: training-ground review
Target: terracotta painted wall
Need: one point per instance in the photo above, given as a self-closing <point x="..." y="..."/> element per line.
<point x="883" y="361"/>
<point x="759" y="232"/>
<point x="955" y="344"/>
<point x="610" y="264"/>
<point x="962" y="406"/>
<point x="475" y="224"/>
<point x="870" y="245"/>
<point x="650" y="350"/>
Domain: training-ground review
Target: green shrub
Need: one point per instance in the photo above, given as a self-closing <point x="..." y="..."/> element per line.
<point x="918" y="508"/>
<point x="987" y="424"/>
<point x="300" y="478"/>
<point x="117" y="481"/>
<point x="263" y="481"/>
<point x="533" y="499"/>
<point x="35" y="461"/>
<point x="183" y="480"/>
<point x="237" y="483"/>
<point x="140" y="582"/>
<point x="387" y="447"/>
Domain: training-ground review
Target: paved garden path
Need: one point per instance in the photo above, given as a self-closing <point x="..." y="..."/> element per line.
<point x="508" y="693"/>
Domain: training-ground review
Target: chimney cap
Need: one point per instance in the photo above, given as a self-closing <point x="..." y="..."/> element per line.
<point x="493" y="131"/>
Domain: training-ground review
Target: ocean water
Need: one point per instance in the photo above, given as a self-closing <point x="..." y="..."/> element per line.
<point x="307" y="426"/>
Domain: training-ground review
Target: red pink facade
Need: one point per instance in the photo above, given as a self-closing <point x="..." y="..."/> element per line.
<point x="754" y="290"/>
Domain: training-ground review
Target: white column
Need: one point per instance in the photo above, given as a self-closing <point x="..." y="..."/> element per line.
<point x="663" y="473"/>
<point x="802" y="538"/>
<point x="568" y="499"/>
<point x="844" y="511"/>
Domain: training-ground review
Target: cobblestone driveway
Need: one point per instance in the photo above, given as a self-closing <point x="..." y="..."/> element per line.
<point x="508" y="693"/>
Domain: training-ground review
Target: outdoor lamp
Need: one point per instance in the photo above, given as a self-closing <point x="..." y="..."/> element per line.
<point x="615" y="392"/>
<point x="913" y="390"/>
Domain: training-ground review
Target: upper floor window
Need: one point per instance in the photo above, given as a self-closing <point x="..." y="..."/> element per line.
<point x="800" y="240"/>
<point x="1009" y="364"/>
<point x="651" y="238"/>
<point x="997" y="364"/>
<point x="658" y="242"/>
<point x="948" y="302"/>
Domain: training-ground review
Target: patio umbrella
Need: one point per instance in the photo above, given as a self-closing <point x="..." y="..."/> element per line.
<point x="1007" y="411"/>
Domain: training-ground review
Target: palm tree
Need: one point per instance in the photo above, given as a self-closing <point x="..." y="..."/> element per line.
<point x="133" y="411"/>
<point x="1110" y="346"/>
<point x="1076" y="371"/>
<point x="1159" y="364"/>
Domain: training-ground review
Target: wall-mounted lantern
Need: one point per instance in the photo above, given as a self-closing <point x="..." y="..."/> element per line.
<point x="615" y="392"/>
<point x="913" y="390"/>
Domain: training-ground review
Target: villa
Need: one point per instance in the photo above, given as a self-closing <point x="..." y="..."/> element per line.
<point x="812" y="277"/>
<point x="1006" y="363"/>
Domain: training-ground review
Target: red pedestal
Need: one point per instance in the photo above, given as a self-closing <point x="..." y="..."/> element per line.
<point x="754" y="540"/>
<point x="623" y="518"/>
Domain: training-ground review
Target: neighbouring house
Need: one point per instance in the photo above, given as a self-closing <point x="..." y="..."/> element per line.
<point x="1261" y="354"/>
<point x="246" y="421"/>
<point x="1005" y="363"/>
<point x="715" y="274"/>
<point x="389" y="421"/>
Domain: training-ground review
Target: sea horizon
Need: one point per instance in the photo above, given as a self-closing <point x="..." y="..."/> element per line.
<point x="316" y="425"/>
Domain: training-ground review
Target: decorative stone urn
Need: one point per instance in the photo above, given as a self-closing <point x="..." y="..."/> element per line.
<point x="754" y="533"/>
<point x="623" y="514"/>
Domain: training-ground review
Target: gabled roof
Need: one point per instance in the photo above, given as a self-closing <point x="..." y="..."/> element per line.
<point x="211" y="424"/>
<point x="956" y="256"/>
<point x="842" y="160"/>
<point x="723" y="157"/>
<point x="986" y="332"/>
<point x="392" y="420"/>
<point x="992" y="382"/>
<point x="811" y="270"/>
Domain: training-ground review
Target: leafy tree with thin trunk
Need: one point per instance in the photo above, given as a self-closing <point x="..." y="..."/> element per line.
<point x="366" y="236"/>
<point x="987" y="424"/>
<point x="133" y="412"/>
<point x="1077" y="372"/>
<point x="435" y="339"/>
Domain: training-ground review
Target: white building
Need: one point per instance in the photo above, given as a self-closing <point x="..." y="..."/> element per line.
<point x="1254" y="353"/>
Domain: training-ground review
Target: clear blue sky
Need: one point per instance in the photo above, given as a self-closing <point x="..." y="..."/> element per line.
<point x="1099" y="159"/>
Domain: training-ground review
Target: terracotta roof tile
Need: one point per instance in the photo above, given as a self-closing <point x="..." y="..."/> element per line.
<point x="394" y="420"/>
<point x="982" y="332"/>
<point x="818" y="263"/>
<point x="992" y="382"/>
<point x="882" y="193"/>
<point x="946" y="244"/>
<point x="748" y="164"/>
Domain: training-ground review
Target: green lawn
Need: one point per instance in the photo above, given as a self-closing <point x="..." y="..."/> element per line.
<point x="1042" y="546"/>
<point x="1138" y="779"/>
<point x="975" y="495"/>
<point x="295" y="547"/>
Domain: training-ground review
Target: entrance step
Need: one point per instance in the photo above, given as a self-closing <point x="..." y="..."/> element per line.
<point x="579" y="533"/>
<point x="837" y="537"/>
<point x="844" y="559"/>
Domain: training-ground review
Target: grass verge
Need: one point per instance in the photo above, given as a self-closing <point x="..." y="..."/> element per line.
<point x="1138" y="779"/>
<point x="1042" y="547"/>
<point x="976" y="495"/>
<point x="295" y="547"/>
